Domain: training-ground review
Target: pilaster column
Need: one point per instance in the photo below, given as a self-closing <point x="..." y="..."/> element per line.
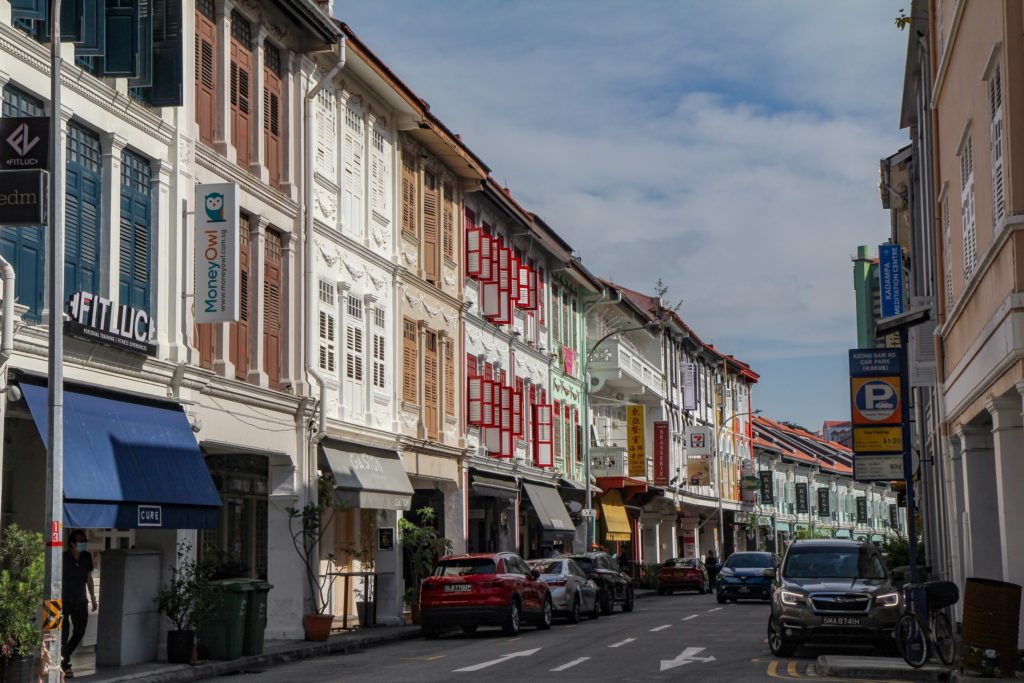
<point x="291" y="314"/>
<point x="369" y="311"/>
<point x="343" y="292"/>
<point x="112" y="146"/>
<point x="981" y="512"/>
<point x="257" y="303"/>
<point x="222" y="115"/>
<point x="258" y="163"/>
<point x="166" y="300"/>
<point x="421" y="357"/>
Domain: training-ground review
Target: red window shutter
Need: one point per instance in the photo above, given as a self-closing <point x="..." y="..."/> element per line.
<point x="513" y="281"/>
<point x="272" y="124"/>
<point x="531" y="291"/>
<point x="543" y="451"/>
<point x="205" y="76"/>
<point x="474" y="393"/>
<point x="504" y="316"/>
<point x="241" y="102"/>
<point x="524" y="286"/>
<point x="273" y="267"/>
<point x="410" y="362"/>
<point x="486" y="261"/>
<point x="556" y="430"/>
<point x="473" y="252"/>
<point x="517" y="409"/>
<point x="239" y="332"/>
<point x="409" y="194"/>
<point x="506" y="422"/>
<point x="540" y="294"/>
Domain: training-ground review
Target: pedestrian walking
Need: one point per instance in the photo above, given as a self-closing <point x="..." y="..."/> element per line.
<point x="77" y="579"/>
<point x="711" y="565"/>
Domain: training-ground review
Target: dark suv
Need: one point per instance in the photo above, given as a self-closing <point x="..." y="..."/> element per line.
<point x="832" y="591"/>
<point x="614" y="585"/>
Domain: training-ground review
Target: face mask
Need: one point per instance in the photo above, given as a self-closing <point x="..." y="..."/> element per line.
<point x="82" y="547"/>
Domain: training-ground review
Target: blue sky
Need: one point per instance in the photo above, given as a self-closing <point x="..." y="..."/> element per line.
<point x="728" y="147"/>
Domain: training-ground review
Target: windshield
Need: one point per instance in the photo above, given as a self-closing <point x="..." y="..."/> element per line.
<point x="554" y="567"/>
<point x="464" y="567"/>
<point x="833" y="563"/>
<point x="749" y="561"/>
<point x="585" y="563"/>
<point x="679" y="562"/>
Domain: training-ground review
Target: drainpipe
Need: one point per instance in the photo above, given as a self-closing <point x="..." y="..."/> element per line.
<point x="309" y="122"/>
<point x="7" y="336"/>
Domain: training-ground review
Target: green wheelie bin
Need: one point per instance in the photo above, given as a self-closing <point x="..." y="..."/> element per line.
<point x="222" y="633"/>
<point x="255" y="617"/>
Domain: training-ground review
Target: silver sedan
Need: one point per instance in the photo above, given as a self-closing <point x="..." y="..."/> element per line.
<point x="571" y="591"/>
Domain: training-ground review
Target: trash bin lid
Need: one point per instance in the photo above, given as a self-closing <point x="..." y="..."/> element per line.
<point x="234" y="585"/>
<point x="260" y="585"/>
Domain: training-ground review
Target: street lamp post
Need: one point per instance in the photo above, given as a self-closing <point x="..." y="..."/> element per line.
<point x="718" y="478"/>
<point x="592" y="521"/>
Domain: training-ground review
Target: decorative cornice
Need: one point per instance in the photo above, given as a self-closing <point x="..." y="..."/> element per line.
<point x="214" y="162"/>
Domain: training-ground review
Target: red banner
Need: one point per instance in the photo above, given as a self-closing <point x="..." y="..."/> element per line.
<point x="661" y="473"/>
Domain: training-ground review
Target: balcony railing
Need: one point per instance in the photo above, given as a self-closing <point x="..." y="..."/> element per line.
<point x="618" y="356"/>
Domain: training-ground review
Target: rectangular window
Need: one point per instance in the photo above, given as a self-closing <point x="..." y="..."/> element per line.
<point x="206" y="71"/>
<point x="378" y="175"/>
<point x="410" y="362"/>
<point x="355" y="308"/>
<point x="430" y="381"/>
<point x="353" y="220"/>
<point x="379" y="350"/>
<point x="430" y="228"/>
<point x="542" y="420"/>
<point x="448" y="231"/>
<point x="557" y="430"/>
<point x="354" y="339"/>
<point x="136" y="217"/>
<point x="239" y="332"/>
<point x="328" y="341"/>
<point x="449" y="377"/>
<point x="325" y="134"/>
<point x="995" y="98"/>
<point x="272" y="133"/>
<point x="273" y="321"/>
<point x="409" y="194"/>
<point x="967" y="207"/>
<point x="241" y="84"/>
<point x="948" y="253"/>
<point x="326" y="293"/>
<point x="474" y="392"/>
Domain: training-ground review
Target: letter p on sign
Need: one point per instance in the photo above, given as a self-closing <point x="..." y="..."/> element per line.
<point x="875" y="400"/>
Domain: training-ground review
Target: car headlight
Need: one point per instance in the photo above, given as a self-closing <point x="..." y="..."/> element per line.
<point x="888" y="599"/>
<point x="791" y="598"/>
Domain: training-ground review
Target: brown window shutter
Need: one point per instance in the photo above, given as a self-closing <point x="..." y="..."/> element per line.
<point x="408" y="194"/>
<point x="272" y="124"/>
<point x="449" y="378"/>
<point x="430" y="269"/>
<point x="239" y="332"/>
<point x="272" y="294"/>
<point x="448" y="233"/>
<point x="241" y="103"/>
<point x="409" y="362"/>
<point x="430" y="378"/>
<point x="204" y="344"/>
<point x="205" y="77"/>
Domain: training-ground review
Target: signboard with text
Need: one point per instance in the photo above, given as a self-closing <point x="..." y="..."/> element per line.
<point x="23" y="198"/>
<point x="876" y="411"/>
<point x="25" y="143"/>
<point x="877" y="466"/>
<point x="698" y="470"/>
<point x="689" y="372"/>
<point x="635" y="446"/>
<point x="890" y="279"/>
<point x="698" y="440"/>
<point x="862" y="510"/>
<point x="216" y="253"/>
<point x="104" y="321"/>
<point x="824" y="508"/>
<point x="801" y="498"/>
<point x="767" y="487"/>
<point x="661" y="455"/>
<point x="878" y="439"/>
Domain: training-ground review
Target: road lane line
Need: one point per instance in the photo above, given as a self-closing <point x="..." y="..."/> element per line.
<point x="661" y="628"/>
<point x="499" y="660"/>
<point x="623" y="642"/>
<point x="715" y="609"/>
<point x="692" y="616"/>
<point x="569" y="665"/>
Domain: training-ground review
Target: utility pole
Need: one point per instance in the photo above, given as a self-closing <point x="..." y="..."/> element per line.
<point x="55" y="363"/>
<point x="718" y="478"/>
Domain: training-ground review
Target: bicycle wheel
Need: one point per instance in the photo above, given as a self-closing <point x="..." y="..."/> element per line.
<point x="912" y="640"/>
<point x="942" y="633"/>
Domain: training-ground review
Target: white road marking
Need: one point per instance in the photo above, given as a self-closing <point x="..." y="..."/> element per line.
<point x="692" y="616"/>
<point x="687" y="656"/>
<point x="499" y="660"/>
<point x="569" y="665"/>
<point x="715" y="609"/>
<point x="623" y="642"/>
<point x="661" y="628"/>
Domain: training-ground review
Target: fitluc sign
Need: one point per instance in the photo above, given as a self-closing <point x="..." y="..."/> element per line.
<point x="216" y="253"/>
<point x="107" y="322"/>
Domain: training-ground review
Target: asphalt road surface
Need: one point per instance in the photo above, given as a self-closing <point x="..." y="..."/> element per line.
<point x="676" y="637"/>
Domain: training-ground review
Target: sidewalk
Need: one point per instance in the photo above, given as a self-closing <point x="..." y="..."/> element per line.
<point x="894" y="668"/>
<point x="274" y="652"/>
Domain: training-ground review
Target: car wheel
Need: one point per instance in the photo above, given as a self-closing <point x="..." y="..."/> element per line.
<point x="574" y="613"/>
<point x="545" y="615"/>
<point x="469" y="629"/>
<point x="628" y="605"/>
<point x="511" y="625"/>
<point x="721" y="599"/>
<point x="606" y="602"/>
<point x="431" y="632"/>
<point x="779" y="646"/>
<point x="702" y="589"/>
<point x="661" y="591"/>
<point x="596" y="612"/>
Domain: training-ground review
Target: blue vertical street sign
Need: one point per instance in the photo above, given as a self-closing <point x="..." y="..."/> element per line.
<point x="890" y="279"/>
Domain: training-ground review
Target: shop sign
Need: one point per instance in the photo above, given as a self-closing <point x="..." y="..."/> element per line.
<point x="894" y="516"/>
<point x="23" y="198"/>
<point x="862" y="510"/>
<point x="216" y="253"/>
<point x="386" y="538"/>
<point x="824" y="509"/>
<point x="661" y="459"/>
<point x="801" y="498"/>
<point x="104" y="321"/>
<point x="890" y="279"/>
<point x="698" y="440"/>
<point x="25" y="143"/>
<point x="750" y="483"/>
<point x="636" y="447"/>
<point x="698" y="471"/>
<point x="874" y="362"/>
<point x="150" y="515"/>
<point x="877" y="439"/>
<point x="877" y="467"/>
<point x="767" y="487"/>
<point x="875" y="400"/>
<point x="689" y="386"/>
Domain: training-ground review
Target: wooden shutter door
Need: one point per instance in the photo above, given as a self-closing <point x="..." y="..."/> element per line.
<point x="272" y="114"/>
<point x="449" y="377"/>
<point x="430" y="208"/>
<point x="239" y="332"/>
<point x="408" y="194"/>
<point x="430" y="378"/>
<point x="241" y="82"/>
<point x="272" y="322"/>
<point x="206" y="78"/>
<point x="448" y="232"/>
<point x="409" y="362"/>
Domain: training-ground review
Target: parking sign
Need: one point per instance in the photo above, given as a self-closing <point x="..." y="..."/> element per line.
<point x="875" y="400"/>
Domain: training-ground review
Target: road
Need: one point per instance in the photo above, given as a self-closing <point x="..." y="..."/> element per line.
<point x="666" y="638"/>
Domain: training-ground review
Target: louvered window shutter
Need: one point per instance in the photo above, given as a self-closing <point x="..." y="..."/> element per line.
<point x="474" y="393"/>
<point x="272" y="296"/>
<point x="995" y="90"/>
<point x="540" y="294"/>
<point x="241" y="84"/>
<point x="449" y="378"/>
<point x="410" y="362"/>
<point x="556" y="423"/>
<point x="504" y="315"/>
<point x="379" y="350"/>
<point x="578" y="431"/>
<point x="517" y="409"/>
<point x="473" y="252"/>
<point x="354" y="357"/>
<point x="239" y="332"/>
<point x="409" y="194"/>
<point x="967" y="208"/>
<point x="507" y="448"/>
<point x="430" y="381"/>
<point x="83" y="190"/>
<point x="486" y="262"/>
<point x="206" y="75"/>
<point x="947" y="253"/>
<point x="430" y="217"/>
<point x="524" y="287"/>
<point x="543" y="449"/>
<point x="272" y="112"/>
<point x="448" y="230"/>
<point x="354" y="173"/>
<point x="513" y="282"/>
<point x="328" y="342"/>
<point x="136" y="212"/>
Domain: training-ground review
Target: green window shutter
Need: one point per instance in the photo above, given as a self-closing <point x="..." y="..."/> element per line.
<point x="120" y="53"/>
<point x="143" y="77"/>
<point x="32" y="10"/>
<point x="94" y="29"/>
<point x="82" y="210"/>
<point x="136" y="235"/>
<point x="168" y="54"/>
<point x="70" y="21"/>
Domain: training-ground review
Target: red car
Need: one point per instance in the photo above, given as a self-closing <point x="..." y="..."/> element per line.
<point x="483" y="589"/>
<point x="683" y="574"/>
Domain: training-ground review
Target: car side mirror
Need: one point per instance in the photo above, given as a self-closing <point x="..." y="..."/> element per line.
<point x="536" y="573"/>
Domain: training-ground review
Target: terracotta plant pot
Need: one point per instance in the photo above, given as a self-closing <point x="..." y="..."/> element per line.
<point x="317" y="626"/>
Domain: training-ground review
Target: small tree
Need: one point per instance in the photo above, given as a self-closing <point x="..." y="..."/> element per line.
<point x="22" y="573"/>
<point x="189" y="597"/>
<point x="308" y="527"/>
<point x="422" y="544"/>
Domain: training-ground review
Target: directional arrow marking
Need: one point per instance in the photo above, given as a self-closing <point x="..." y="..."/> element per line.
<point x="623" y="642"/>
<point x="499" y="660"/>
<point x="686" y="657"/>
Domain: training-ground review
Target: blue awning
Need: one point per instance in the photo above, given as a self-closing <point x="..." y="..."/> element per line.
<point x="128" y="464"/>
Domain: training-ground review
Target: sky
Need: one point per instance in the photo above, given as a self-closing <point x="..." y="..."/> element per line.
<point x="728" y="147"/>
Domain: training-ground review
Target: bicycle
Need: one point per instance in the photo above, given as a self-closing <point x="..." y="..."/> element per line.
<point x="918" y="636"/>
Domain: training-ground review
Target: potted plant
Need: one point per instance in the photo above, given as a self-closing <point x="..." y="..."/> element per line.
<point x="22" y="574"/>
<point x="308" y="527"/>
<point x="422" y="544"/>
<point x="187" y="598"/>
<point x="364" y="554"/>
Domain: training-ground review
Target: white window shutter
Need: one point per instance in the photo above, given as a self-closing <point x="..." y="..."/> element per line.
<point x="996" y="151"/>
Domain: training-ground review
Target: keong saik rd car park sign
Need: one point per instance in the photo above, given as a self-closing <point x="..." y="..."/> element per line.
<point x="876" y="407"/>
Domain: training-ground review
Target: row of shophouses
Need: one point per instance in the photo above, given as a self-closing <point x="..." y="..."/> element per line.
<point x="405" y="327"/>
<point x="956" y="195"/>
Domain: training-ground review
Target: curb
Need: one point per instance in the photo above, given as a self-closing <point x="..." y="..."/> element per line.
<point x="342" y="645"/>
<point x="878" y="668"/>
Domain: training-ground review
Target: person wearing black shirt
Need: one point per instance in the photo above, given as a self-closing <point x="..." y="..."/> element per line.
<point x="76" y="579"/>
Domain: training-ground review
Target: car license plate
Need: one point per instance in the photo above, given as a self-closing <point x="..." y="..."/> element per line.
<point x="457" y="588"/>
<point x="744" y="589"/>
<point x="840" y="621"/>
